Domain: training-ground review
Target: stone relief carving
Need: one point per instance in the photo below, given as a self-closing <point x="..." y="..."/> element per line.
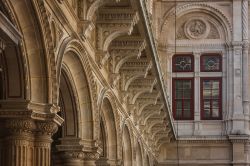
<point x="197" y="28"/>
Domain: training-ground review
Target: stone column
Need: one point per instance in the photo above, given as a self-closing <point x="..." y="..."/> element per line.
<point x="69" y="152"/>
<point x="42" y="143"/>
<point x="17" y="145"/>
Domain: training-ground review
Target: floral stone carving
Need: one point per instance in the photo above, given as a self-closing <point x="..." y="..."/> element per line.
<point x="197" y="28"/>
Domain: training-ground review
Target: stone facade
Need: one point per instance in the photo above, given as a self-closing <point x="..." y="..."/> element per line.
<point x="198" y="28"/>
<point x="89" y="82"/>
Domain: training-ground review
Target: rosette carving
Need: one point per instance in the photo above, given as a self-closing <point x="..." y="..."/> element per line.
<point x="197" y="28"/>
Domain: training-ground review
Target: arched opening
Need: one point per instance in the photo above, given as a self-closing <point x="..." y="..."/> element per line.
<point x="103" y="140"/>
<point x="108" y="120"/>
<point x="147" y="161"/>
<point x="126" y="147"/>
<point x="68" y="106"/>
<point x="138" y="155"/>
<point x="72" y="63"/>
<point x="11" y="59"/>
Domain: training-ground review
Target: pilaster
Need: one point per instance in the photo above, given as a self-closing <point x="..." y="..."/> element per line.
<point x="239" y="149"/>
<point x="197" y="115"/>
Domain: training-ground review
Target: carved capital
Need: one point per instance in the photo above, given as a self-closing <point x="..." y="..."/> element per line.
<point x="20" y="125"/>
<point x="46" y="127"/>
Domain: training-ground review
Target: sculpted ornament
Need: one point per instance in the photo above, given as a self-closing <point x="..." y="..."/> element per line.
<point x="47" y="127"/>
<point x="197" y="28"/>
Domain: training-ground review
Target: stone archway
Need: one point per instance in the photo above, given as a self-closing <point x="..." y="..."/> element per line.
<point x="111" y="134"/>
<point x="67" y="134"/>
<point x="126" y="147"/>
<point x="73" y="64"/>
<point x="139" y="161"/>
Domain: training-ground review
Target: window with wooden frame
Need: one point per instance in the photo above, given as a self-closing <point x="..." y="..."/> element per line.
<point x="210" y="63"/>
<point x="183" y="63"/>
<point x="211" y="98"/>
<point x="183" y="98"/>
<point x="183" y="89"/>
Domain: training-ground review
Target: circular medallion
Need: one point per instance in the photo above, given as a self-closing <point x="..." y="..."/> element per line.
<point x="197" y="28"/>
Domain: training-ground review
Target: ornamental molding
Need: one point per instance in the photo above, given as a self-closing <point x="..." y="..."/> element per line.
<point x="112" y="23"/>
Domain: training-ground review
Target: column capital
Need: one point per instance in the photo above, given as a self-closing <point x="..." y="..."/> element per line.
<point x="46" y="127"/>
<point x="20" y="126"/>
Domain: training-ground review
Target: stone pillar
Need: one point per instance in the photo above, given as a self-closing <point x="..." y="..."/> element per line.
<point x="69" y="152"/>
<point x="239" y="150"/>
<point x="17" y="145"/>
<point x="26" y="142"/>
<point x="238" y="124"/>
<point x="42" y="143"/>
<point x="245" y="81"/>
<point x="197" y="112"/>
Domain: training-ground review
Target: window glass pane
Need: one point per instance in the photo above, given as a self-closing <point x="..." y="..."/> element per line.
<point x="211" y="63"/>
<point x="206" y="84"/>
<point x="187" y="113"/>
<point x="216" y="94"/>
<point x="178" y="94"/>
<point x="178" y="104"/>
<point x="215" y="113"/>
<point x="215" y="104"/>
<point x="187" y="105"/>
<point x="207" y="94"/>
<point x="187" y="94"/>
<point x="187" y="84"/>
<point x="211" y="98"/>
<point x="216" y="84"/>
<point x="183" y="99"/>
<point x="178" y="113"/>
<point x="178" y="84"/>
<point x="182" y="63"/>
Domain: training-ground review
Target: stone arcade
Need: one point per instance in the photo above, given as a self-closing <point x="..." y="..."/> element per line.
<point x="124" y="83"/>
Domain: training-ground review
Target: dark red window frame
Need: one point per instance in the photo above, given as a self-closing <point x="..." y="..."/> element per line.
<point x="181" y="55"/>
<point x="174" y="99"/>
<point x="202" y="67"/>
<point x="219" y="100"/>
